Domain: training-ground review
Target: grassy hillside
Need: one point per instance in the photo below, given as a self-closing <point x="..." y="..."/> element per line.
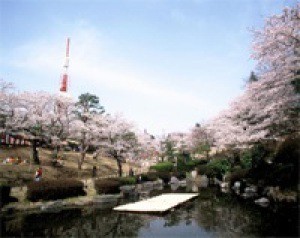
<point x="22" y="173"/>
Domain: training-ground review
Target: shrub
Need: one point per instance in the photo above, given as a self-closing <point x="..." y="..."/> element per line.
<point x="282" y="175"/>
<point x="151" y="176"/>
<point x="164" y="176"/>
<point x="163" y="167"/>
<point x="246" y="159"/>
<point x="237" y="175"/>
<point x="189" y="166"/>
<point x="260" y="152"/>
<point x="107" y="186"/>
<point x="219" y="167"/>
<point x="54" y="189"/>
<point x="180" y="175"/>
<point x="127" y="180"/>
<point x="4" y="194"/>
<point x="203" y="169"/>
<point x="288" y="152"/>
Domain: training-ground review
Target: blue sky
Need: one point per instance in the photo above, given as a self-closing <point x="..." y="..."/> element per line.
<point x="165" y="64"/>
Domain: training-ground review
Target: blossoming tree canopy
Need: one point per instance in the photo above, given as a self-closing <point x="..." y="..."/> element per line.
<point x="269" y="107"/>
<point x="120" y="140"/>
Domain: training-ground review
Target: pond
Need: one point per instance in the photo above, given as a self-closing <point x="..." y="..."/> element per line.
<point x="212" y="214"/>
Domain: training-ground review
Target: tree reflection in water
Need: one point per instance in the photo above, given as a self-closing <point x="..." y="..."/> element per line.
<point x="73" y="223"/>
<point x="211" y="214"/>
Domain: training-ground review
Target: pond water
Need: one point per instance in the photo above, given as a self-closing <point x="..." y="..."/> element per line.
<point x="212" y="214"/>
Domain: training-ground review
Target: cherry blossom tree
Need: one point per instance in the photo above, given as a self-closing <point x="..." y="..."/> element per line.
<point x="199" y="140"/>
<point x="121" y="141"/>
<point x="88" y="125"/>
<point x="269" y="107"/>
<point x="172" y="145"/>
<point x="276" y="48"/>
<point x="6" y="100"/>
<point x="63" y="108"/>
<point x="33" y="116"/>
<point x="147" y="149"/>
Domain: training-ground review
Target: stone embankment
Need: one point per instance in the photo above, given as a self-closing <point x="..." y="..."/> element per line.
<point x="91" y="198"/>
<point x="57" y="205"/>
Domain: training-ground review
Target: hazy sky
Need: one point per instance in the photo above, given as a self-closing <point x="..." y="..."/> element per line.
<point x="165" y="64"/>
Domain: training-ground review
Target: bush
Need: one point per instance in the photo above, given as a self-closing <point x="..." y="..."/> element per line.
<point x="180" y="175"/>
<point x="151" y="176"/>
<point x="4" y="194"/>
<point x="189" y="166"/>
<point x="107" y="186"/>
<point x="203" y="169"/>
<point x="282" y="175"/>
<point x="260" y="153"/>
<point x="164" y="176"/>
<point x="288" y="152"/>
<point x="163" y="167"/>
<point x="246" y="159"/>
<point x="219" y="167"/>
<point x="237" y="175"/>
<point x="54" y="189"/>
<point x="127" y="180"/>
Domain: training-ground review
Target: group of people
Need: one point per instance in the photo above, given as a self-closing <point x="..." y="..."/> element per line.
<point x="13" y="160"/>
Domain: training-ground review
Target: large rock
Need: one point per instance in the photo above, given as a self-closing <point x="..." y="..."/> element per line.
<point x="237" y="187"/>
<point x="52" y="206"/>
<point x="147" y="185"/>
<point x="174" y="186"/>
<point x="250" y="192"/>
<point x="224" y="185"/>
<point x="159" y="182"/>
<point x="128" y="190"/>
<point x="195" y="188"/>
<point x="202" y="181"/>
<point x="194" y="174"/>
<point x="89" y="187"/>
<point x="251" y="189"/>
<point x="278" y="195"/>
<point x="106" y="198"/>
<point x="182" y="183"/>
<point x="19" y="193"/>
<point x="174" y="180"/>
<point x="264" y="202"/>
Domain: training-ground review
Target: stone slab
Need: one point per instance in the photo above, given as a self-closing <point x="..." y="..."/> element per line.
<point x="159" y="204"/>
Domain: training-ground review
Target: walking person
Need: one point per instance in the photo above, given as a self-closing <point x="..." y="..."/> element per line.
<point x="38" y="174"/>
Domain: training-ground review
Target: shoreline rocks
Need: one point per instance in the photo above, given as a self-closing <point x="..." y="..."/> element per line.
<point x="58" y="205"/>
<point x="263" y="196"/>
<point x="264" y="202"/>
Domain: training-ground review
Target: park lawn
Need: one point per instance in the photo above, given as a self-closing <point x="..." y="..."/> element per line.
<point x="23" y="173"/>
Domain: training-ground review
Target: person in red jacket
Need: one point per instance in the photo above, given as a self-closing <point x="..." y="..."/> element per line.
<point x="38" y="174"/>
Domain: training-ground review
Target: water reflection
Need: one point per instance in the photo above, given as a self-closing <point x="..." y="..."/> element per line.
<point x="212" y="214"/>
<point x="74" y="223"/>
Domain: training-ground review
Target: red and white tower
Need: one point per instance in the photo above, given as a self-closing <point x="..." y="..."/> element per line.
<point x="65" y="76"/>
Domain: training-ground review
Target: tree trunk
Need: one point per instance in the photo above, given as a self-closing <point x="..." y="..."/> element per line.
<point x="83" y="149"/>
<point x="120" y="169"/>
<point x="96" y="154"/>
<point x="55" y="153"/>
<point x="35" y="153"/>
<point x="81" y="159"/>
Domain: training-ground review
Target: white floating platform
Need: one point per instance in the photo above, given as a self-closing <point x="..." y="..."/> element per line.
<point x="161" y="203"/>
